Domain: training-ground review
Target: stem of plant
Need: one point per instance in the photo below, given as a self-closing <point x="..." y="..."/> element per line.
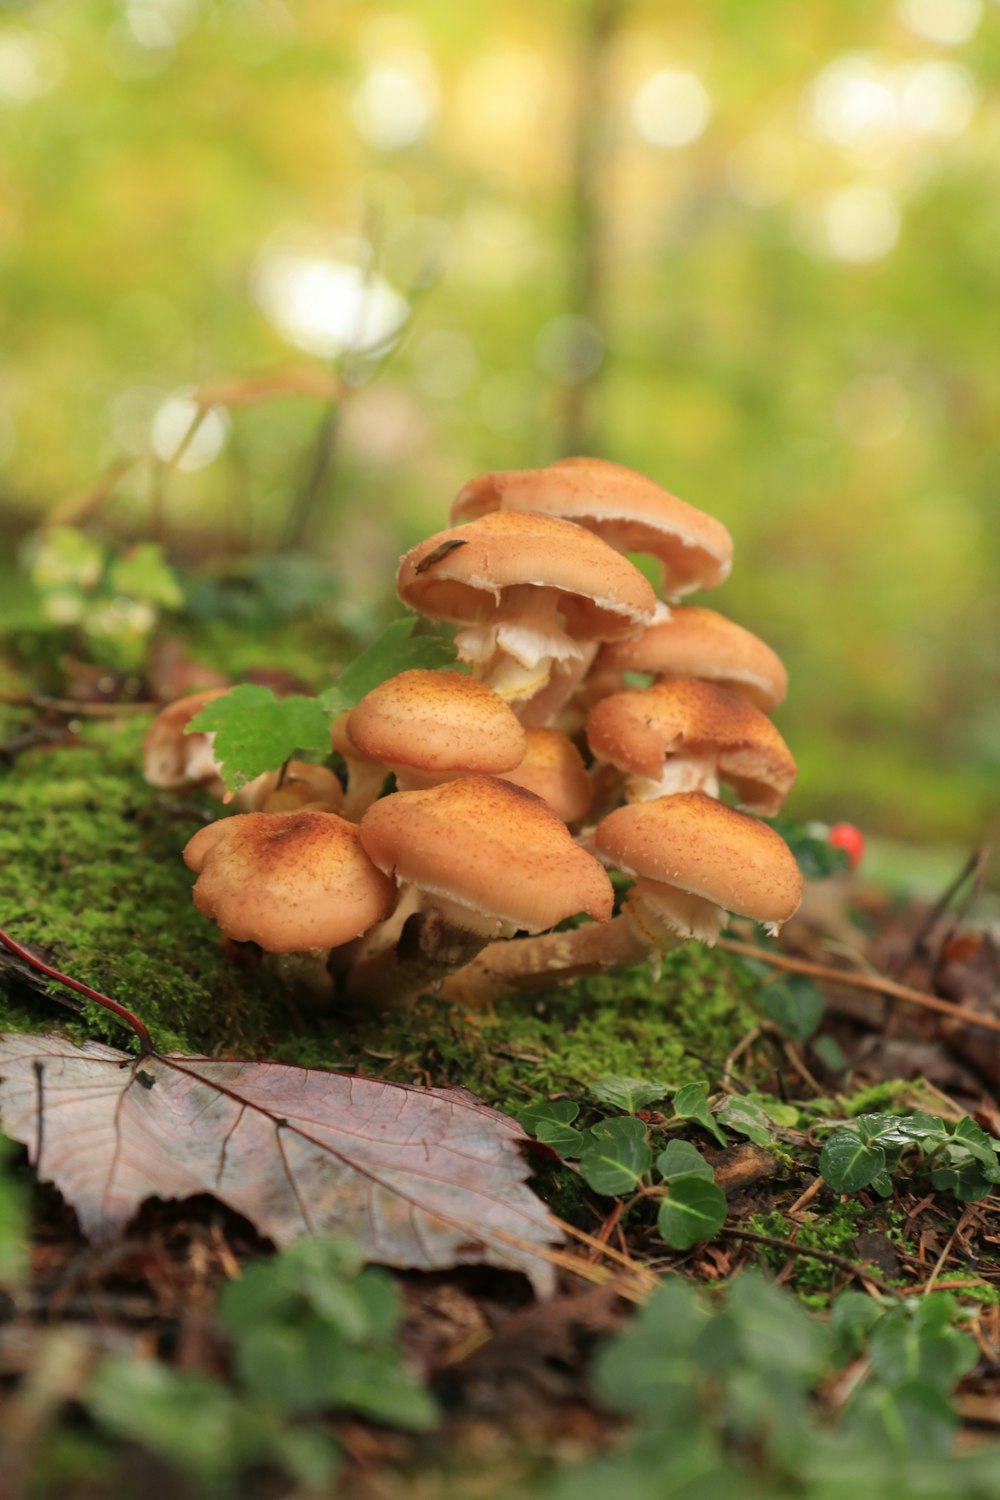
<point x="145" y="1040"/>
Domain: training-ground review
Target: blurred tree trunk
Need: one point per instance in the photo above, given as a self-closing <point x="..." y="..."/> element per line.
<point x="588" y="210"/>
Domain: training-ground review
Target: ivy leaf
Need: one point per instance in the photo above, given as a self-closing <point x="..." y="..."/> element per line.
<point x="695" y="1210"/>
<point x="397" y="650"/>
<point x="257" y="732"/>
<point x="968" y="1182"/>
<point x="795" y="1005"/>
<point x="690" y="1103"/>
<point x="848" y="1163"/>
<point x="746" y="1118"/>
<point x="551" y="1123"/>
<point x="681" y="1159"/>
<point x="615" y="1156"/>
<point x="628" y="1094"/>
<point x="979" y="1146"/>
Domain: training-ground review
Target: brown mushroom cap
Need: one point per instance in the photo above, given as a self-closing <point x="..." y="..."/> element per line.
<point x="552" y="767"/>
<point x="630" y="511"/>
<point x="437" y="722"/>
<point x="489" y="848"/>
<point x="638" y="729"/>
<point x="288" y="881"/>
<point x="172" y="759"/>
<point x="697" y="844"/>
<point x="695" y="642"/>
<point x="461" y="574"/>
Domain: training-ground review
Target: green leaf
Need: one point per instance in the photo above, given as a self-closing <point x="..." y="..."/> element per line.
<point x="968" y="1182"/>
<point x="695" y="1210"/>
<point x="681" y="1159"/>
<point x="143" y="573"/>
<point x="551" y="1123"/>
<point x="690" y="1103"/>
<point x="979" y="1145"/>
<point x="257" y="732"/>
<point x="830" y="1053"/>
<point x="615" y="1155"/>
<point x="795" y="1004"/>
<point x="397" y="650"/>
<point x="848" y="1163"/>
<point x="817" y="859"/>
<point x="13" y="1221"/>
<point x="628" y="1094"/>
<point x="746" y="1118"/>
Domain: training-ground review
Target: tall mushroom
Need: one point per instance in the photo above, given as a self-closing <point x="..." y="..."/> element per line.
<point x="625" y="508"/>
<point x="530" y="591"/>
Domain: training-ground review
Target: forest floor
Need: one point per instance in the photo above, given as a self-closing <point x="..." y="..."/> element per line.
<point x="92" y="881"/>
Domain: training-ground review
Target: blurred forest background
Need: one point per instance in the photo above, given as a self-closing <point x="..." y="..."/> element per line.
<point x="752" y="249"/>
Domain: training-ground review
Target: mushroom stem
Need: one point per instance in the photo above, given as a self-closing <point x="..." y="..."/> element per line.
<point x="533" y="963"/>
<point x="429" y="949"/>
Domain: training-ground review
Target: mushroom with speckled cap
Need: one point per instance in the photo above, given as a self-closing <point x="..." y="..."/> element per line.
<point x="685" y="735"/>
<point x="288" y="881"/>
<point x="488" y="859"/>
<point x="628" y="510"/>
<point x="531" y="591"/>
<point x="552" y="767"/>
<point x="433" y="726"/>
<point x="696" y="642"/>
<point x="693" y="859"/>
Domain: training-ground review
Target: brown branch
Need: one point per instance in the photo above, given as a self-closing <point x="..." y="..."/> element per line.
<point x="887" y="987"/>
<point x="828" y="1257"/>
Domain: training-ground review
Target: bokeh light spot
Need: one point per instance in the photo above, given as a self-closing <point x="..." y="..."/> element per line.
<point x="172" y="422"/>
<point x="949" y="22"/>
<point x="861" y="224"/>
<point x="569" y="348"/>
<point x="672" y="108"/>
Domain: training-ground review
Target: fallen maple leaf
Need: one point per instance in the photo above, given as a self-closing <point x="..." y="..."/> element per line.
<point x="422" y="1178"/>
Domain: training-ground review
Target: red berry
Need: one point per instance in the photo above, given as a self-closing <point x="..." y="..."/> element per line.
<point x="849" y="838"/>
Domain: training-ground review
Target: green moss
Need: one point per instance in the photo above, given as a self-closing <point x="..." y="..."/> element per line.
<point x="832" y="1233"/>
<point x="92" y="874"/>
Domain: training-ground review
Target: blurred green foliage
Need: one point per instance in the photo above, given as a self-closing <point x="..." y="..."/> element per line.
<point x="750" y="249"/>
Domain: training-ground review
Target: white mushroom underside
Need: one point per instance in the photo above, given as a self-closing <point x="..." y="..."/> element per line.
<point x="681" y="773"/>
<point x="661" y="913"/>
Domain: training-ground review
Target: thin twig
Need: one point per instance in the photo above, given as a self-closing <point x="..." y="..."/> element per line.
<point x="886" y="987"/>
<point x="829" y="1257"/>
<point x="145" y="1040"/>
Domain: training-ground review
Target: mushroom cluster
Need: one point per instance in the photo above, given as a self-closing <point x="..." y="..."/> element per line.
<point x="485" y="805"/>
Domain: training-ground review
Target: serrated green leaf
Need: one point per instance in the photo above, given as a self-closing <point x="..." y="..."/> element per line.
<point x="690" y="1103"/>
<point x="628" y="1094"/>
<point x="680" y="1158"/>
<point x="695" y="1210"/>
<point x="795" y="1004"/>
<point x="397" y="650"/>
<point x="551" y="1123"/>
<point x="848" y="1163"/>
<point x="615" y="1155"/>
<point x="257" y="732"/>
<point x="746" y="1118"/>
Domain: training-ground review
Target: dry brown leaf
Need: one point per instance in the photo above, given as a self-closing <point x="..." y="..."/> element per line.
<point x="422" y="1178"/>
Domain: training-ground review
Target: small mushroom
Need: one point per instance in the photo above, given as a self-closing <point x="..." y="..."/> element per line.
<point x="176" y="761"/>
<point x="299" y="786"/>
<point x="693" y="859"/>
<point x="685" y="735"/>
<point x="288" y="881"/>
<point x="695" y="642"/>
<point x="432" y="726"/>
<point x="552" y="767"/>
<point x="489" y="859"/>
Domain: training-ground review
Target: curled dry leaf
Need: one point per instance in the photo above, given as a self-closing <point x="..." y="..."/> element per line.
<point x="422" y="1178"/>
